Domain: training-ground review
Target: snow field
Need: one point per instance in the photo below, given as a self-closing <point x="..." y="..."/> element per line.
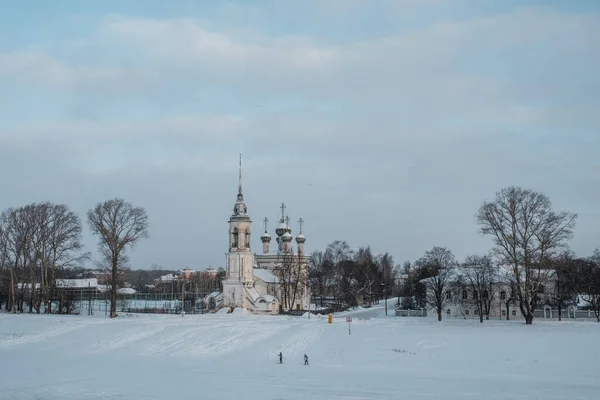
<point x="235" y="356"/>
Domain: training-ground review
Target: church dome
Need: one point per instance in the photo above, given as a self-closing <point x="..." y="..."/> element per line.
<point x="265" y="237"/>
<point x="281" y="230"/>
<point x="300" y="238"/>
<point x="287" y="237"/>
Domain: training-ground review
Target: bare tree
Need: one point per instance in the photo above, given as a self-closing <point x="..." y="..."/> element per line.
<point x="526" y="233"/>
<point x="321" y="273"/>
<point x="440" y="264"/>
<point x="564" y="291"/>
<point x="119" y="225"/>
<point x="386" y="266"/>
<point x="589" y="282"/>
<point x="366" y="275"/>
<point x="343" y="279"/>
<point x="481" y="277"/>
<point x="4" y="262"/>
<point x="339" y="251"/>
<point x="292" y="273"/>
<point x="19" y="232"/>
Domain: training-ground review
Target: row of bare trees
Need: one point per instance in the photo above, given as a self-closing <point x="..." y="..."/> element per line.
<point x="349" y="277"/>
<point x="37" y="241"/>
<point x="530" y="264"/>
<point x="41" y="240"/>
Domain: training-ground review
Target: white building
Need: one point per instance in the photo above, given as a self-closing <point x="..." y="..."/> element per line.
<point x="251" y="281"/>
<point x="461" y="299"/>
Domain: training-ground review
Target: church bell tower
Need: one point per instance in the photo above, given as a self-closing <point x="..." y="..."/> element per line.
<point x="240" y="258"/>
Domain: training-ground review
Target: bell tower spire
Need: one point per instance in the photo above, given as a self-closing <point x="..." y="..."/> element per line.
<point x="240" y="258"/>
<point x="240" y="195"/>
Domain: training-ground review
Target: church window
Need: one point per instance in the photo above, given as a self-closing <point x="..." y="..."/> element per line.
<point x="503" y="295"/>
<point x="247" y="239"/>
<point x="465" y="295"/>
<point x="235" y="238"/>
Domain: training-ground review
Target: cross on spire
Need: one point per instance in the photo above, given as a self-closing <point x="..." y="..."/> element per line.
<point x="240" y="179"/>
<point x="300" y="221"/>
<point x="266" y="221"/>
<point x="283" y="207"/>
<point x="287" y="221"/>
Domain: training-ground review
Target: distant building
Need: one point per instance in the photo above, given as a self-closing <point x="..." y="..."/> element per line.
<point x="186" y="273"/>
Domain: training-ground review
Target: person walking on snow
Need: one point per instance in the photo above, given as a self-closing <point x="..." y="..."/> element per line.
<point x="305" y="359"/>
<point x="280" y="358"/>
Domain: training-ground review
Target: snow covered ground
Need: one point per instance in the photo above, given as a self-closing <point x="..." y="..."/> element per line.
<point x="235" y="356"/>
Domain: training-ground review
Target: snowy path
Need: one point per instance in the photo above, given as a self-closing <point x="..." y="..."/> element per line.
<point x="231" y="356"/>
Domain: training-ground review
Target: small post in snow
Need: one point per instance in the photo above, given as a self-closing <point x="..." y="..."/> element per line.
<point x="349" y="321"/>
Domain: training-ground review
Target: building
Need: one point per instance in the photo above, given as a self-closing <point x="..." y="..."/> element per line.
<point x="186" y="273"/>
<point x="462" y="298"/>
<point x="253" y="281"/>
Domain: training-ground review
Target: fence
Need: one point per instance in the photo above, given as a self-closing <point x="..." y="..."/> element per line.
<point x="570" y="313"/>
<point x="153" y="303"/>
<point x="321" y="311"/>
<point x="411" y="313"/>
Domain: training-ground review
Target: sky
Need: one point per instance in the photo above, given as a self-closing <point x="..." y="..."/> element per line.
<point x="382" y="123"/>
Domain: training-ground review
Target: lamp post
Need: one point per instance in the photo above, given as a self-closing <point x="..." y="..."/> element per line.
<point x="183" y="297"/>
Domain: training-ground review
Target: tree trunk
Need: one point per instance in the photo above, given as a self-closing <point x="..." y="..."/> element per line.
<point x="559" y="313"/>
<point x="113" y="287"/>
<point x="439" y="313"/>
<point x="529" y="319"/>
<point x="481" y="318"/>
<point x="507" y="312"/>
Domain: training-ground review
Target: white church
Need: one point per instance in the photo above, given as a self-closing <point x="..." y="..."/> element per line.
<point x="252" y="281"/>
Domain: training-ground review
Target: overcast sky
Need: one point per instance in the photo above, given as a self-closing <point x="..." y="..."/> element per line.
<point x="382" y="123"/>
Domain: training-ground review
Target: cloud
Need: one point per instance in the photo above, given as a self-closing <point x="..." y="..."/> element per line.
<point x="393" y="138"/>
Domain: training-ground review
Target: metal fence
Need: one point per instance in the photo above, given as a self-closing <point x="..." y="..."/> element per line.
<point x="150" y="303"/>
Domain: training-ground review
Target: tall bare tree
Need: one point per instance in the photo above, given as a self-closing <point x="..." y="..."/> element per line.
<point x="19" y="231"/>
<point x="526" y="234"/>
<point x="321" y="274"/>
<point x="440" y="265"/>
<point x="340" y="254"/>
<point x="292" y="273"/>
<point x="386" y="266"/>
<point x="366" y="275"/>
<point x="62" y="248"/>
<point x="481" y="277"/>
<point x="119" y="226"/>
